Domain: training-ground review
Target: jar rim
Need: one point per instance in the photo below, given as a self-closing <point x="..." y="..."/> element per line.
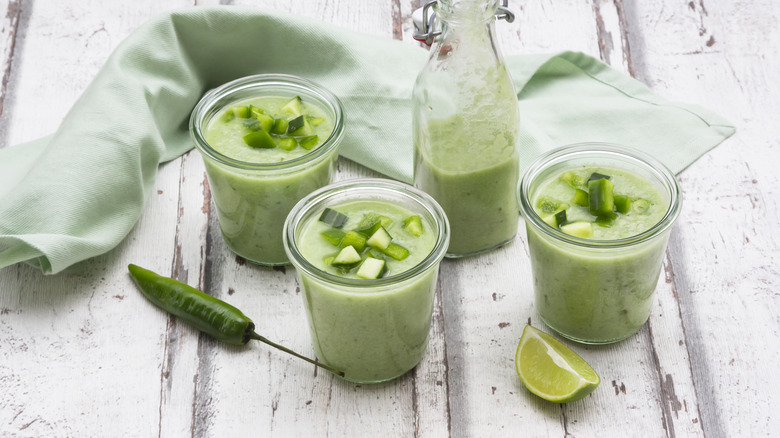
<point x="612" y="150"/>
<point x="209" y="103"/>
<point x="366" y="185"/>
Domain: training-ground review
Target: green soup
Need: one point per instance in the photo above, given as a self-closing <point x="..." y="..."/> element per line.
<point x="253" y="203"/>
<point x="596" y="294"/>
<point x="371" y="332"/>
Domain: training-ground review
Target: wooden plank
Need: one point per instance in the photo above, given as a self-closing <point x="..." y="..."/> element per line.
<point x="8" y="31"/>
<point x="80" y="349"/>
<point x="84" y="356"/>
<point x="722" y="265"/>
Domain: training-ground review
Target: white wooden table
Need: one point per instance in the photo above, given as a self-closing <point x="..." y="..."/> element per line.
<point x="82" y="353"/>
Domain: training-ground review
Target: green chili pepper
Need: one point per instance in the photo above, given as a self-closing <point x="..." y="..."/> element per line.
<point x="206" y="313"/>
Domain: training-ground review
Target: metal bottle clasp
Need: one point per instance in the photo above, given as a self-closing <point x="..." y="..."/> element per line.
<point x="425" y="21"/>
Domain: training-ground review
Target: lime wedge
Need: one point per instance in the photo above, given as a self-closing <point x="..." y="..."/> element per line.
<point x="551" y="370"/>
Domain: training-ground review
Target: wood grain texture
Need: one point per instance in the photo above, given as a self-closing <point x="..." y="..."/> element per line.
<point x="723" y="263"/>
<point x="83" y="354"/>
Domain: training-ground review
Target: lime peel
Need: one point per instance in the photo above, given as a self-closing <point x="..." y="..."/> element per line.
<point x="551" y="370"/>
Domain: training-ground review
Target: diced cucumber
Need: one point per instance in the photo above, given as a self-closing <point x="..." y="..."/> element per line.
<point x="347" y="256"/>
<point x="280" y="126"/>
<point x="573" y="179"/>
<point x="380" y="239"/>
<point x="354" y="239"/>
<point x="242" y="112"/>
<point x="294" y="106"/>
<point x="333" y="236"/>
<point x="317" y="121"/>
<point x="413" y="225"/>
<point x="371" y="218"/>
<point x="580" y="197"/>
<point x="255" y="111"/>
<point x="555" y="220"/>
<point x="309" y="142"/>
<point x="549" y="205"/>
<point x="550" y="220"/>
<point x="371" y="268"/>
<point x="288" y="143"/>
<point x="606" y="220"/>
<point x="260" y="139"/>
<point x="596" y="176"/>
<point x="560" y="217"/>
<point x="265" y="121"/>
<point x="396" y="251"/>
<point x="227" y="115"/>
<point x="622" y="203"/>
<point x="600" y="197"/>
<point x="299" y="127"/>
<point x="371" y="222"/>
<point x="578" y="229"/>
<point x="333" y="218"/>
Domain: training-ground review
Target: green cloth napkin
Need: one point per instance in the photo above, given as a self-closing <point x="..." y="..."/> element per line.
<point x="77" y="193"/>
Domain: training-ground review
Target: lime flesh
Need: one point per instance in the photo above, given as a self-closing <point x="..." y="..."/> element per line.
<point x="551" y="370"/>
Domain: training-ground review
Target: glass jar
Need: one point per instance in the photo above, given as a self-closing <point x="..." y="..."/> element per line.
<point x="465" y="127"/>
<point x="253" y="199"/>
<point x="596" y="291"/>
<point x="373" y="330"/>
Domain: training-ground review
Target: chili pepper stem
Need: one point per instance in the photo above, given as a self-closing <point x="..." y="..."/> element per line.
<point x="254" y="335"/>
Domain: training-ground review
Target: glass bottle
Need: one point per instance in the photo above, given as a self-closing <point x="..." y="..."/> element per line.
<point x="465" y="126"/>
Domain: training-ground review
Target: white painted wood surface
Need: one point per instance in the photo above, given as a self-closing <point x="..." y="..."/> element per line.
<point x="83" y="354"/>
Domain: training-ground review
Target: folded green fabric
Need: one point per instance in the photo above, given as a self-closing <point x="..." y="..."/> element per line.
<point x="77" y="193"/>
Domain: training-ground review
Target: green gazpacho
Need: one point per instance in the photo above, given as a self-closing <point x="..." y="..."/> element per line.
<point x="253" y="201"/>
<point x="471" y="169"/>
<point x="591" y="292"/>
<point x="374" y="330"/>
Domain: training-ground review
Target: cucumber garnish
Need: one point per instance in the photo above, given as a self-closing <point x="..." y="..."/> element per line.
<point x="260" y="139"/>
<point x="266" y="122"/>
<point x="380" y="239"/>
<point x="333" y="218"/>
<point x="580" y="197"/>
<point x="299" y="127"/>
<point x="280" y="126"/>
<point x="347" y="256"/>
<point x="287" y="143"/>
<point x="547" y="204"/>
<point x="372" y="268"/>
<point x="600" y="197"/>
<point x="395" y="251"/>
<point x="309" y="141"/>
<point x="578" y="229"/>
<point x="317" y="121"/>
<point x="242" y="112"/>
<point x="228" y="115"/>
<point x="560" y="218"/>
<point x="294" y="106"/>
<point x="573" y="179"/>
<point x="352" y="238"/>
<point x="622" y="203"/>
<point x="596" y="176"/>
<point x="413" y="225"/>
<point x="333" y="236"/>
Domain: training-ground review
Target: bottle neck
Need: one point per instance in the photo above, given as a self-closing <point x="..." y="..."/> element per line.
<point x="466" y="12"/>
